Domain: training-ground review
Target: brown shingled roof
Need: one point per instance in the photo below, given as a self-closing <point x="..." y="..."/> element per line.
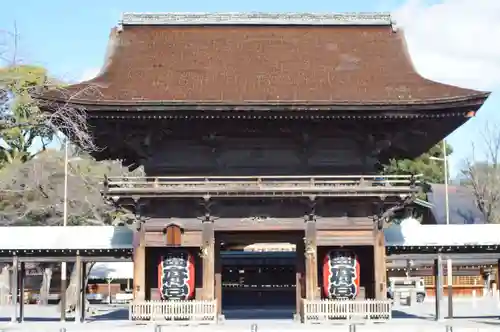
<point x="238" y="64"/>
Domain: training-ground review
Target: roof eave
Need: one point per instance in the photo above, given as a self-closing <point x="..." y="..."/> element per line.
<point x="474" y="101"/>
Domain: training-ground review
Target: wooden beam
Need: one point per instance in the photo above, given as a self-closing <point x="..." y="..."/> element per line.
<point x="51" y="259"/>
<point x="62" y="252"/>
<point x="248" y="237"/>
<point x="470" y="257"/>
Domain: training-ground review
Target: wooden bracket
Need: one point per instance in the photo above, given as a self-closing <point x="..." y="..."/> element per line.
<point x="207" y="204"/>
<point x="311" y="206"/>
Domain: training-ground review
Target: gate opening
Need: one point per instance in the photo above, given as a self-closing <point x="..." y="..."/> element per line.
<point x="258" y="284"/>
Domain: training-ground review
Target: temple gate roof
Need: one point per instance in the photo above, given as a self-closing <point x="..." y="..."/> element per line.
<point x="234" y="58"/>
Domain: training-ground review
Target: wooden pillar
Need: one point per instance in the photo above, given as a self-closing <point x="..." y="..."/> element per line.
<point x="140" y="264"/>
<point x="218" y="277"/>
<point x="449" y="275"/>
<point x="299" y="277"/>
<point x="83" y="294"/>
<point x="497" y="276"/>
<point x="311" y="261"/>
<point x="79" y="289"/>
<point x="208" y="256"/>
<point x="14" y="290"/>
<point x="22" y="275"/>
<point x="438" y="275"/>
<point x="380" y="271"/>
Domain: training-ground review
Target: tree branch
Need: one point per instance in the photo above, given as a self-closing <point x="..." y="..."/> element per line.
<point x="483" y="175"/>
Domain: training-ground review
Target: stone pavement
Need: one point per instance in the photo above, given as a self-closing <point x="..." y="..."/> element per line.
<point x="241" y="326"/>
<point x="481" y="316"/>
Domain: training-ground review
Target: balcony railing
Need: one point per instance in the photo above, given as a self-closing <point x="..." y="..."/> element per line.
<point x="262" y="186"/>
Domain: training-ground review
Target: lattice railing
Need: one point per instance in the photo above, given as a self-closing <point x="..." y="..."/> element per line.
<point x="262" y="186"/>
<point x="193" y="311"/>
<point x="317" y="311"/>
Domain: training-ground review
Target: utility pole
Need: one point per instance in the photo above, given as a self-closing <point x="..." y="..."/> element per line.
<point x="449" y="263"/>
<point x="64" y="283"/>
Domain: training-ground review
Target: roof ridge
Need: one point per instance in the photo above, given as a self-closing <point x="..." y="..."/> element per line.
<point x="256" y="18"/>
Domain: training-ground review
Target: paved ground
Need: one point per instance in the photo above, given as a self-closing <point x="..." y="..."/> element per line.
<point x="482" y="315"/>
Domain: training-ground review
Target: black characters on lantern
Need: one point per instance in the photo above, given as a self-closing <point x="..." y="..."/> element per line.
<point x="174" y="277"/>
<point x="343" y="275"/>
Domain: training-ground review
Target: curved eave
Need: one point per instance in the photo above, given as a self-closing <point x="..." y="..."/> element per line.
<point x="474" y="101"/>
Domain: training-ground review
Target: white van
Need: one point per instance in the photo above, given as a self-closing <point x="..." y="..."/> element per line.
<point x="405" y="286"/>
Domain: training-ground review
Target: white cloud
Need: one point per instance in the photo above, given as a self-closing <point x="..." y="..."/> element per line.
<point x="455" y="41"/>
<point x="89" y="74"/>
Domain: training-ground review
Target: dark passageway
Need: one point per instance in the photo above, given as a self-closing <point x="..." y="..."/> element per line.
<point x="258" y="285"/>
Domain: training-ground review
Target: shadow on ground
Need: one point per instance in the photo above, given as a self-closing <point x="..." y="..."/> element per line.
<point x="35" y="313"/>
<point x="116" y="314"/>
<point x="36" y="319"/>
<point x="264" y="313"/>
<point x="488" y="323"/>
<point x="475" y="317"/>
<point x="402" y="315"/>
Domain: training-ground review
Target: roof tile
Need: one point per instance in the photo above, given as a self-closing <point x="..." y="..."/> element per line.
<point x="242" y="63"/>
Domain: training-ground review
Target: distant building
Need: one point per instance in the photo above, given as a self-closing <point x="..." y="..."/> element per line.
<point x="462" y="205"/>
<point x="469" y="274"/>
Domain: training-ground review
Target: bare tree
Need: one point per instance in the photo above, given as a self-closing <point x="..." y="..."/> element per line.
<point x="32" y="193"/>
<point x="32" y="183"/>
<point x="20" y="83"/>
<point x="64" y="117"/>
<point x="482" y="174"/>
<point x="9" y="45"/>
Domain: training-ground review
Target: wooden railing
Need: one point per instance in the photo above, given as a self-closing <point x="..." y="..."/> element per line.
<point x="317" y="311"/>
<point x="261" y="186"/>
<point x="192" y="311"/>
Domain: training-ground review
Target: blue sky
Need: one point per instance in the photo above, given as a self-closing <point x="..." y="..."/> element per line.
<point x="69" y="38"/>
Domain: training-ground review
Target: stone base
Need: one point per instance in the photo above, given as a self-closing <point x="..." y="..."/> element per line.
<point x="297" y="318"/>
